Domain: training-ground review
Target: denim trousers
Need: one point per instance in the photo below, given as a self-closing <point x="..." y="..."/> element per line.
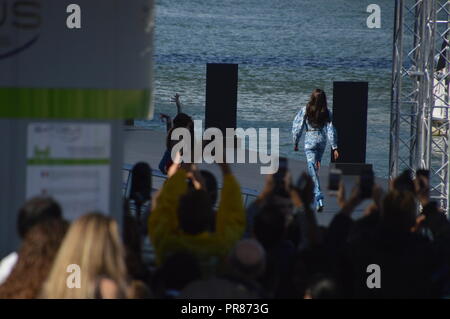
<point x="314" y="147"/>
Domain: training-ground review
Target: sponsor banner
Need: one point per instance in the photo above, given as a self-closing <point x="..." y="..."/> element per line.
<point x="74" y="103"/>
<point x="71" y="163"/>
<point x="101" y="70"/>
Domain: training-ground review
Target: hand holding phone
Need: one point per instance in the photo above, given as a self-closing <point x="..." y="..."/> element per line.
<point x="366" y="182"/>
<point x="304" y="189"/>
<point x="334" y="179"/>
<point x="279" y="177"/>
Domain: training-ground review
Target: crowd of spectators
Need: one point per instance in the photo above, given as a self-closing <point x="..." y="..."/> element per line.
<point x="191" y="240"/>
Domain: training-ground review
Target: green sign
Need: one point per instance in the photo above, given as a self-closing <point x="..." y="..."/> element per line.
<point x="93" y="61"/>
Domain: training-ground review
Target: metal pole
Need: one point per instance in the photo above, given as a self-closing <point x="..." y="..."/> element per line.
<point x="397" y="62"/>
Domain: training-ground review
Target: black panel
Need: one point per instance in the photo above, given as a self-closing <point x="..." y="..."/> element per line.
<point x="350" y="120"/>
<point x="221" y="96"/>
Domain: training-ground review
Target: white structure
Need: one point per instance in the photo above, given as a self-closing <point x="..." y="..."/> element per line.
<point x="420" y="92"/>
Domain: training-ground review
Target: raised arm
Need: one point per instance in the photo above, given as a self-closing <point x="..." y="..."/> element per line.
<point x="176" y="99"/>
<point x="302" y="200"/>
<point x="163" y="218"/>
<point x="298" y="126"/>
<point x="166" y="119"/>
<point x="230" y="221"/>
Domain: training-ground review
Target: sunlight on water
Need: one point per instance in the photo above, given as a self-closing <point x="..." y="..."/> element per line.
<point x="284" y="49"/>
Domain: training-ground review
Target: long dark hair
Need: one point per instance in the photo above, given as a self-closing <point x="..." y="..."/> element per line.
<point x="181" y="120"/>
<point x="141" y="186"/>
<point x="141" y="182"/>
<point x="317" y="110"/>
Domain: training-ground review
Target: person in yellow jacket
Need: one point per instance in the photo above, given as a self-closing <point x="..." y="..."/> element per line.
<point x="182" y="218"/>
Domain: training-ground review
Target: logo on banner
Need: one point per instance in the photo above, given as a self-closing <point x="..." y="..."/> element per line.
<point x="20" y="23"/>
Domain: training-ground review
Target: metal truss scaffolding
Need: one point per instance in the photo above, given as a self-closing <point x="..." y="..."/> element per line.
<point x="420" y="92"/>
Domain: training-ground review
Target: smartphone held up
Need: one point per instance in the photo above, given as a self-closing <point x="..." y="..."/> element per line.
<point x="334" y="179"/>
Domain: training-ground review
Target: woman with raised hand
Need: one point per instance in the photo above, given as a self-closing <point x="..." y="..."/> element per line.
<point x="316" y="119"/>
<point x="181" y="120"/>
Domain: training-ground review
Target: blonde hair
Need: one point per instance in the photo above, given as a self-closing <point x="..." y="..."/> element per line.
<point x="93" y="243"/>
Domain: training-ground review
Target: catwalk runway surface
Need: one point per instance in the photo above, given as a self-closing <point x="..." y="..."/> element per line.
<point x="148" y="145"/>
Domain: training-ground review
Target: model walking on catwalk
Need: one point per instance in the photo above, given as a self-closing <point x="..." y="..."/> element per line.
<point x="316" y="120"/>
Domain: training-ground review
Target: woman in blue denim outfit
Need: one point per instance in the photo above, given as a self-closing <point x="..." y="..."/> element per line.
<point x="316" y="120"/>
